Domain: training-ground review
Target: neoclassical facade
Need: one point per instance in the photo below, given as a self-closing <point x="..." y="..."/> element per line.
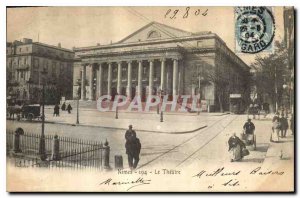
<point x="156" y="58"/>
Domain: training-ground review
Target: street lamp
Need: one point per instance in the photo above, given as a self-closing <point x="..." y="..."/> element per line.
<point x="117" y="114"/>
<point x="158" y="94"/>
<point x="77" y="116"/>
<point x="42" y="146"/>
<point x="29" y="82"/>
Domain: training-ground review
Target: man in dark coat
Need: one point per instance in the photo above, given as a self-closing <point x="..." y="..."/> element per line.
<point x="133" y="147"/>
<point x="284" y="125"/>
<point x="63" y="106"/>
<point x="56" y="110"/>
<point x="249" y="127"/>
<point x="69" y="108"/>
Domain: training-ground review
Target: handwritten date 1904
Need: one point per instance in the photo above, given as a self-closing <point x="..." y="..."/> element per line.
<point x="185" y="13"/>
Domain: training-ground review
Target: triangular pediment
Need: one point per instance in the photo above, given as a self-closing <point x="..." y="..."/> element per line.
<point x="154" y="31"/>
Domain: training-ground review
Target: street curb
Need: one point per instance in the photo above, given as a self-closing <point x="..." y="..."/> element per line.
<point x="106" y="127"/>
<point x="154" y="112"/>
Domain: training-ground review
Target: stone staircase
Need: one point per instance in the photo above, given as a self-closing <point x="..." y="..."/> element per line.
<point x="86" y="104"/>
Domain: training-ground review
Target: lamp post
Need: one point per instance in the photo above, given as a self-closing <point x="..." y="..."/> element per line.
<point x="29" y="82"/>
<point x="116" y="115"/>
<point x="42" y="146"/>
<point x="77" y="116"/>
<point x="285" y="95"/>
<point x="158" y="94"/>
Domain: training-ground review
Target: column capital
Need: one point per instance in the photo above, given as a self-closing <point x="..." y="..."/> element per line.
<point x="163" y="59"/>
<point x="139" y="61"/>
<point x="150" y="60"/>
<point x="130" y="61"/>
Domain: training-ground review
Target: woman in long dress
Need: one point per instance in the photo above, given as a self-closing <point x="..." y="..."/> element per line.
<point x="275" y="130"/>
<point x="235" y="148"/>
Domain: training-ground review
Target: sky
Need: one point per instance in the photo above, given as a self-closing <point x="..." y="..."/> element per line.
<point x="87" y="26"/>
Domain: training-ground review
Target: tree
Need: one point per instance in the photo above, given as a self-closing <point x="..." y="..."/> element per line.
<point x="271" y="73"/>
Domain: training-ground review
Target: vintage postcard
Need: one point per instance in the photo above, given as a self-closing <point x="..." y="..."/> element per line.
<point x="150" y="99"/>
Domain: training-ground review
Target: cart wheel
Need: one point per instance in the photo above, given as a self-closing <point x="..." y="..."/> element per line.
<point x="30" y="116"/>
<point x="254" y="142"/>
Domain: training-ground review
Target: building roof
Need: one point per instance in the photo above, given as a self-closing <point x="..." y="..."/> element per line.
<point x="19" y="43"/>
<point x="140" y="36"/>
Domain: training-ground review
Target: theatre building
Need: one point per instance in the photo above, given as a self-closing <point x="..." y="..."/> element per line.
<point x="160" y="59"/>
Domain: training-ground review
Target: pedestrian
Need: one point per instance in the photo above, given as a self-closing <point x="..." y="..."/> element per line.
<point x="236" y="146"/>
<point x="266" y="108"/>
<point x="276" y="116"/>
<point x="133" y="147"/>
<point x="250" y="109"/>
<point x="63" y="106"/>
<point x="69" y="108"/>
<point x="292" y="124"/>
<point x="56" y="110"/>
<point x="284" y="125"/>
<point x="256" y="111"/>
<point x="249" y="127"/>
<point x="275" y="130"/>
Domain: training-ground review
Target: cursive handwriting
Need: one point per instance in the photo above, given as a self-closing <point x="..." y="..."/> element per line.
<point x="218" y="172"/>
<point x="172" y="14"/>
<point x="258" y="171"/>
<point x="134" y="183"/>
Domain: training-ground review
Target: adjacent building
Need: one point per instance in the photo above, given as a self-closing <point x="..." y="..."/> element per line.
<point x="31" y="64"/>
<point x="160" y="58"/>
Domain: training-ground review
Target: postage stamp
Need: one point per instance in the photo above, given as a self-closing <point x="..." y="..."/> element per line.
<point x="254" y="29"/>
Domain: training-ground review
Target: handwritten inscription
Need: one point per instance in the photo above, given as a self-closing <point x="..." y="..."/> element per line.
<point x="233" y="180"/>
<point x="185" y="13"/>
<point x="131" y="183"/>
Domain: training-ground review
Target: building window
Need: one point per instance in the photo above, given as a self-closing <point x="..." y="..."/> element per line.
<point x="27" y="49"/>
<point x="20" y="49"/>
<point x="25" y="61"/>
<point x="153" y="34"/>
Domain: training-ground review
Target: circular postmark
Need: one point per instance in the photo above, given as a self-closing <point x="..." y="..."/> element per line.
<point x="254" y="29"/>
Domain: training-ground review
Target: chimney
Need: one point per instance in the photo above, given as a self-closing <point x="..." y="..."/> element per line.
<point x="27" y="40"/>
<point x="59" y="45"/>
<point x="98" y="44"/>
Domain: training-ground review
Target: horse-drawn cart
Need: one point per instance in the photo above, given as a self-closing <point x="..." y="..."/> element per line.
<point x="31" y="112"/>
<point x="249" y="139"/>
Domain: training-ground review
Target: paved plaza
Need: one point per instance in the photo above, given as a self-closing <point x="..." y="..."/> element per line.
<point x="181" y="140"/>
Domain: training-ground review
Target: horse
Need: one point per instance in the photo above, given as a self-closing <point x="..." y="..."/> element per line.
<point x="12" y="110"/>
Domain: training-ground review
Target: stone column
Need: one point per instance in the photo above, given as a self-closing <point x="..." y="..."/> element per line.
<point x="140" y="78"/>
<point x="175" y="76"/>
<point x="162" y="74"/>
<point x="129" y="80"/>
<point x="100" y="79"/>
<point x="83" y="79"/>
<point x="19" y="73"/>
<point x="109" y="78"/>
<point x="91" y="83"/>
<point x="151" y="70"/>
<point x="119" y="84"/>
